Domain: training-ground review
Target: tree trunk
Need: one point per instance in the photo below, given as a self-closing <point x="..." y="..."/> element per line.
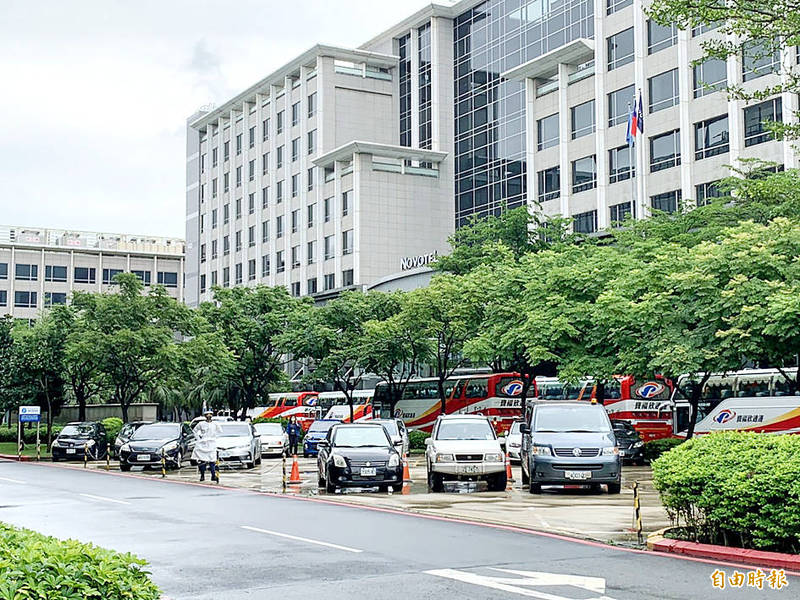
<point x="442" y="397"/>
<point x="123" y="405"/>
<point x="81" y="398"/>
<point x="527" y="381"/>
<point x="350" y="403"/>
<point x="694" y="404"/>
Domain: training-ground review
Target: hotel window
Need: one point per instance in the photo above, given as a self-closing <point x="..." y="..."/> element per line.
<point x="328" y="205"/>
<point x="251" y="170"/>
<point x="347" y="277"/>
<point x="238" y="144"/>
<point x="711" y="137"/>
<point x="660" y="37"/>
<point x="582" y="119"/>
<point x="264" y="197"/>
<point x="295" y="288"/>
<point x="295" y="185"/>
<point x="251" y="236"/>
<point x="346" y="196"/>
<point x="168" y="279"/>
<point x="214" y="249"/>
<point x="279" y="192"/>
<point x="265" y="266"/>
<point x="620" y="49"/>
<point x="310" y="179"/>
<point x="584" y="174"/>
<point x="238" y="273"/>
<point x="312" y="104"/>
<point x="619" y="212"/>
<point x="585" y="222"/>
<point x="280" y="122"/>
<point x="328" y="247"/>
<point x="213" y="218"/>
<point x="279" y="226"/>
<point x="226" y="214"/>
<point x="619" y="105"/>
<point x="704" y="192"/>
<point x="547" y="132"/>
<point x="295" y="256"/>
<point x="347" y="242"/>
<point x="295" y="149"/>
<point x="251" y="203"/>
<point x="264" y="231"/>
<point x="85" y="275"/>
<point x="295" y="113"/>
<point x="620" y="165"/>
<point x="311" y="139"/>
<point x="663" y="90"/>
<point x="310" y="248"/>
<point x="279" y="157"/>
<point x="295" y="220"/>
<point x="144" y="276"/>
<point x="665" y="151"/>
<point x="759" y="59"/>
<point x="226" y="245"/>
<point x="710" y="76"/>
<point x="666" y="202"/>
<point x="265" y="163"/>
<point x="55" y="273"/>
<point x="311" y="286"/>
<point x="310" y="214"/>
<point x="549" y="184"/>
<point x="25" y="299"/>
<point x="280" y="265"/>
<point x="755" y="120"/>
<point x="265" y="129"/>
<point x="109" y="274"/>
<point x="329" y="281"/>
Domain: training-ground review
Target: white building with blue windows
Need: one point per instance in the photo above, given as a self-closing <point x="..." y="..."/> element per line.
<point x="341" y="167"/>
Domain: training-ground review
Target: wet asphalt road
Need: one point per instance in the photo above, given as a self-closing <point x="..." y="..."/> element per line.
<point x="209" y="543"/>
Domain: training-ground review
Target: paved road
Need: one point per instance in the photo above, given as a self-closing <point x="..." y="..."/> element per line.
<point x="209" y="543"/>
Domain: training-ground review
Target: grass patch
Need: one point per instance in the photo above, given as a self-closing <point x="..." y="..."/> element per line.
<point x="30" y="449"/>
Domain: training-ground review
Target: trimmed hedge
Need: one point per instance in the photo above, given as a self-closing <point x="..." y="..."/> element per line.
<point x="654" y="449"/>
<point x="416" y="439"/>
<point x="9" y="434"/>
<point x="38" y="566"/>
<point x="113" y="426"/>
<point x="735" y="489"/>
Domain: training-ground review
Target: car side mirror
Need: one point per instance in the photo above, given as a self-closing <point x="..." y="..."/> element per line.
<point x="428" y="441"/>
<point x="525" y="428"/>
<point x="398" y="443"/>
<point x="323" y="444"/>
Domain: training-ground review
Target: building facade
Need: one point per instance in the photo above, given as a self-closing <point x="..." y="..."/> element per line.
<point x="43" y="267"/>
<point x="336" y="169"/>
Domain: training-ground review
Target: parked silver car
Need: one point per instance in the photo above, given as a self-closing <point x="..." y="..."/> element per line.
<point x="514" y="442"/>
<point x="238" y="442"/>
<point x="274" y="440"/>
<point x="396" y="430"/>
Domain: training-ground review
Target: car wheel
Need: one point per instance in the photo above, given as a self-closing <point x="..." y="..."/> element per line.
<point x="435" y="482"/>
<point x="320" y="482"/>
<point x="193" y="462"/>
<point x="498" y="483"/>
<point x="330" y="487"/>
<point x="397" y="487"/>
<point x="525" y="477"/>
<point x="258" y="460"/>
<point x="535" y="488"/>
<point x="123" y="467"/>
<point x="614" y="488"/>
<point x="178" y="460"/>
<point x="640" y="461"/>
<point x="596" y="488"/>
<point x="54" y="459"/>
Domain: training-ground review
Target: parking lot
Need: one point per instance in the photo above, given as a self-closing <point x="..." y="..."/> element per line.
<point x="575" y="511"/>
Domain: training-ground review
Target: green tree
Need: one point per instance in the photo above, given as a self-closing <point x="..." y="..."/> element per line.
<point x="6" y="362"/>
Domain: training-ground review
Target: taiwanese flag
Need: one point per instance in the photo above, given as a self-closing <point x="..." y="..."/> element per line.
<point x="630" y="135"/>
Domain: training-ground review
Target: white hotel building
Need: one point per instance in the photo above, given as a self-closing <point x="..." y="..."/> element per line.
<point x="339" y="168"/>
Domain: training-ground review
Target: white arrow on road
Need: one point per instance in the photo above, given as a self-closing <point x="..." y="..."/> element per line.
<point x="528" y="579"/>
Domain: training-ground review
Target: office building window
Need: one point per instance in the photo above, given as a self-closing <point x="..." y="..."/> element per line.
<point x="251" y="203"/>
<point x="55" y="273"/>
<point x="109" y="274"/>
<point x="310" y="214"/>
<point x="214" y="187"/>
<point x="264" y="231"/>
<point x="295" y="256"/>
<point x="279" y="192"/>
<point x="665" y="151"/>
<point x="202" y="253"/>
<point x="666" y="202"/>
<point x="585" y="222"/>
<point x="213" y="218"/>
<point x="310" y="179"/>
<point x="214" y="249"/>
<point x="265" y="129"/>
<point x="711" y="137"/>
<point x="265" y="266"/>
<point x="279" y="124"/>
<point x="238" y="205"/>
<point x="251" y="170"/>
<point x="311" y="286"/>
<point x="582" y="119"/>
<point x="311" y="140"/>
<point x="4" y="271"/>
<point x="584" y="174"/>
<point x="226" y="214"/>
<point x="347" y="277"/>
<point x="214" y="160"/>
<point x="295" y="220"/>
<point x="251" y="236"/>
<point x="295" y="288"/>
<point x="279" y="226"/>
<point x="547" y="132"/>
<point x="312" y="104"/>
<point x="620" y="164"/>
<point x="613" y="6"/>
<point x="756" y="119"/>
<point x="328" y="207"/>
<point x="759" y="59"/>
<point x="264" y="163"/>
<point x="404" y="81"/>
<point x="329" y="281"/>
<point x="238" y="144"/>
<point x="310" y="251"/>
<point x="619" y="105"/>
<point x="660" y="37"/>
<point x="214" y="275"/>
<point x="620" y="49"/>
<point x="346" y="197"/>
<point x="347" y="242"/>
<point x="295" y="185"/>
<point x="619" y="212"/>
<point x="549" y="182"/>
<point x="704" y="192"/>
<point x="85" y="275"/>
<point x="328" y="247"/>
<point x="168" y="279"/>
<point x="425" y="89"/>
<point x="24" y="272"/>
<point x="226" y="178"/>
<point x="3" y="298"/>
<point x="202" y="223"/>
<point x="226" y="245"/>
<point x="295" y="149"/>
<point x="202" y="193"/>
<point x="295" y="113"/>
<point x="279" y="157"/>
<point x="237" y="273"/>
<point x="710" y="76"/>
<point x="53" y="298"/>
<point x="144" y="276"/>
<point x="663" y="90"/>
<point x="264" y="198"/>
<point x="25" y="299"/>
<point x="226" y="276"/>
<point x="704" y="28"/>
<point x="280" y="264"/>
<point x="251" y="140"/>
<point x="226" y="151"/>
<point x="202" y="283"/>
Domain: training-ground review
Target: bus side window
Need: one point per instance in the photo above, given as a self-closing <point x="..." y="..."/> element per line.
<point x="459" y="391"/>
<point x="477" y="388"/>
<point x="291" y="402"/>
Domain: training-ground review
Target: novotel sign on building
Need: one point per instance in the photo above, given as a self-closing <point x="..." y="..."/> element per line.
<point x="412" y="262"/>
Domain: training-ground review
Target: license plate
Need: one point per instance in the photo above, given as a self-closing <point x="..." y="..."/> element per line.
<point x="368" y="472"/>
<point x="578" y="474"/>
<point x="469" y="469"/>
<point x="144" y="457"/>
<point x="70" y="450"/>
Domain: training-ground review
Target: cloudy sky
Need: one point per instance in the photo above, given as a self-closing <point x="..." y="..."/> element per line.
<point x="95" y="95"/>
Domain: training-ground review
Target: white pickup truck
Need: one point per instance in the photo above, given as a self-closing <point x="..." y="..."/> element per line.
<point x="464" y="447"/>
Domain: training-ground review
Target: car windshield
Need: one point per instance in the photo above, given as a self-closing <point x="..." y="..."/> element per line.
<point x="77" y="430"/>
<point x="578" y="419"/>
<point x="156" y="431"/>
<point x="269" y="428"/>
<point x="321" y="426"/>
<point x="390" y="427"/>
<point x="230" y="429"/>
<point x="514" y="428"/>
<point x="465" y="430"/>
<point x="360" y="437"/>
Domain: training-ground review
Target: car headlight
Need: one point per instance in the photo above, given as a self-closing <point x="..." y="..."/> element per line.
<point x="125" y="447"/>
<point x="90" y="442"/>
<point x="541" y="451"/>
<point x="171" y="447"/>
<point x="444" y="458"/>
<point x="339" y="461"/>
<point x="394" y="460"/>
<point x="56" y="444"/>
<point x="514" y="444"/>
<point x="610" y="451"/>
<point x="493" y="457"/>
<point x="638" y="444"/>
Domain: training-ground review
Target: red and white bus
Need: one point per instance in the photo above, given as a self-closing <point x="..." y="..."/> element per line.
<point x="284" y="405"/>
<point x="333" y="405"/>
<point x="758" y="400"/>
<point x="495" y="395"/>
<point x="644" y="403"/>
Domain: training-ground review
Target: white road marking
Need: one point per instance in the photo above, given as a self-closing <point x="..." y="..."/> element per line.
<point x="104" y="499"/>
<point x="529" y="578"/>
<point x="8" y="479"/>
<point x="301" y="539"/>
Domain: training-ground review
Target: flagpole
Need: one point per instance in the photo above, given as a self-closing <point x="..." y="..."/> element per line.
<point x="631" y="152"/>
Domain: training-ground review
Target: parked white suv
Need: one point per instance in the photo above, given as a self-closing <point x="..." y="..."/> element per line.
<point x="464" y="447"/>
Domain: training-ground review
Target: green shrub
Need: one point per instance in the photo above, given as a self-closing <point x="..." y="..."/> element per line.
<point x="9" y="434"/>
<point x="734" y="488"/>
<point x="113" y="426"/>
<point x="416" y="439"/>
<point x="39" y="566"/>
<point x="654" y="449"/>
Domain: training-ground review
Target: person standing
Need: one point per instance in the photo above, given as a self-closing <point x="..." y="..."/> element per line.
<point x="293" y="431"/>
<point x="205" y="448"/>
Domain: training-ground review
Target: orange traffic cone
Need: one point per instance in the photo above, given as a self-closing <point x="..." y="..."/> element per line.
<point x="509" y="474"/>
<point x="406" y="472"/>
<point x="295" y="475"/>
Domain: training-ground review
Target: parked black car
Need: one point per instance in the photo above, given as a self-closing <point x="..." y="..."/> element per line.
<point x="176" y="440"/>
<point x="77" y="439"/>
<point x="359" y="455"/>
<point x="631" y="446"/>
<point x="125" y="434"/>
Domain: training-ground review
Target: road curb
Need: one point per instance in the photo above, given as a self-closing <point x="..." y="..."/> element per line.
<point x="15" y="457"/>
<point x="656" y="542"/>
